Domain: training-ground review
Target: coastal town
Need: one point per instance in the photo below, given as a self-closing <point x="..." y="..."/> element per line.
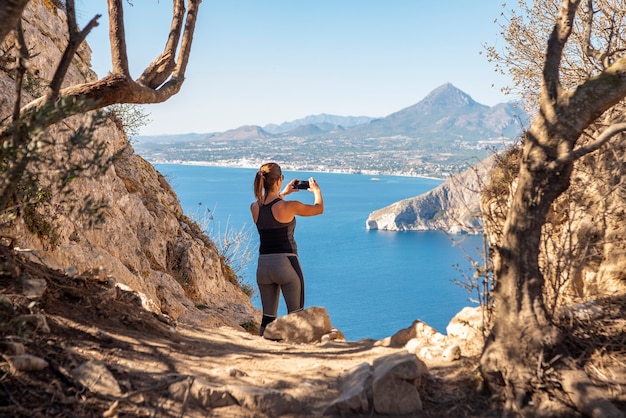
<point x="395" y="155"/>
<point x="440" y="136"/>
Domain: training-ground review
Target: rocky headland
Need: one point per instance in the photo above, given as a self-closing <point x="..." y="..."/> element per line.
<point x="453" y="206"/>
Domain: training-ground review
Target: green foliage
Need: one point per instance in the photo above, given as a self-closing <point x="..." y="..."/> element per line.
<point x="247" y="288"/>
<point x="35" y="200"/>
<point x="129" y="117"/>
<point x="235" y="247"/>
<point x="251" y="327"/>
<point x="478" y="280"/>
<point x="37" y="164"/>
<point x="235" y="279"/>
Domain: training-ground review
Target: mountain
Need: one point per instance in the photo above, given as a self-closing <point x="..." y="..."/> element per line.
<point x="448" y="112"/>
<point x="323" y="122"/>
<point x="307" y="130"/>
<point x="507" y="118"/>
<point x="241" y="133"/>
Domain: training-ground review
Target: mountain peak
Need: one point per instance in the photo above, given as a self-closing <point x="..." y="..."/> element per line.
<point x="448" y="96"/>
<point x="448" y="113"/>
<point x="243" y="132"/>
<point x="444" y="101"/>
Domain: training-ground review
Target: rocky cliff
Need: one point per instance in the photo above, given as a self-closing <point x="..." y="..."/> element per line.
<point x="583" y="253"/>
<point x="145" y="243"/>
<point x="453" y="206"/>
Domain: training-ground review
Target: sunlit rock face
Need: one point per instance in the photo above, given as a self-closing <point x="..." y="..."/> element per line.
<point x="583" y="248"/>
<point x="144" y="243"/>
<point x="453" y="206"/>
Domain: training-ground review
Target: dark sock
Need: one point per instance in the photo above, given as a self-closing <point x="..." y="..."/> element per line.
<point x="264" y="322"/>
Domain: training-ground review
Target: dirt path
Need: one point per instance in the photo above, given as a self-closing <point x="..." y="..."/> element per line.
<point x="224" y="357"/>
<point x="161" y="369"/>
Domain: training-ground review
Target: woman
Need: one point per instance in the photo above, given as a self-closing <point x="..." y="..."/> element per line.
<point x="278" y="268"/>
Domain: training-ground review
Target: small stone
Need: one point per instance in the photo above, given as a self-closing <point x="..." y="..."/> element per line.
<point x="452" y="353"/>
<point x="97" y="378"/>
<point x="28" y="363"/>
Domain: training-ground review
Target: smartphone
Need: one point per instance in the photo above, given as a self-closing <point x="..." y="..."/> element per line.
<point x="301" y="184"/>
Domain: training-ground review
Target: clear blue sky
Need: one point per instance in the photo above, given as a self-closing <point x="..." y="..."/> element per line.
<point x="255" y="62"/>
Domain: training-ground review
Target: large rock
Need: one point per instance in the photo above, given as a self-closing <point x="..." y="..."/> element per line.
<point x="395" y="384"/>
<point x="418" y="330"/>
<point x="465" y="328"/>
<point x="424" y="341"/>
<point x="306" y="326"/>
<point x="388" y="387"/>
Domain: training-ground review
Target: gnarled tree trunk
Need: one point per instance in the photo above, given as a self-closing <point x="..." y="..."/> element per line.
<point x="523" y="338"/>
<point x="523" y="333"/>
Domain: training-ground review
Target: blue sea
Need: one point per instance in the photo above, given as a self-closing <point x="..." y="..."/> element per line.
<point x="373" y="283"/>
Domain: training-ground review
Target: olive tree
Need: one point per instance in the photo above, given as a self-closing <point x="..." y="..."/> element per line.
<point x="21" y="132"/>
<point x="567" y="58"/>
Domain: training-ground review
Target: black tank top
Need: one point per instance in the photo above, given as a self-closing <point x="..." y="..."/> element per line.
<point x="276" y="237"/>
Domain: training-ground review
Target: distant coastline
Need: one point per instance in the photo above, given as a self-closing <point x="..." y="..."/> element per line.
<point x="436" y="138"/>
<point x="248" y="164"/>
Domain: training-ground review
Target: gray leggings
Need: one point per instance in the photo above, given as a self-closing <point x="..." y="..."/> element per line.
<point x="276" y="272"/>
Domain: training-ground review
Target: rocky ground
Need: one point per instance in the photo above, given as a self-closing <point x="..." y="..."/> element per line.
<point x="105" y="356"/>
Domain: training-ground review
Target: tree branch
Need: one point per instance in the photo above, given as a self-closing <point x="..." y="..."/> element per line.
<point x="554" y="54"/>
<point x="10" y="13"/>
<point x="117" y="38"/>
<point x="161" y="68"/>
<point x="185" y="47"/>
<point x="606" y="55"/>
<point x="118" y="87"/>
<point x="76" y="38"/>
<point x="22" y="60"/>
<point x="592" y="98"/>
<point x="591" y="147"/>
<point x="588" y="23"/>
<point x="588" y="47"/>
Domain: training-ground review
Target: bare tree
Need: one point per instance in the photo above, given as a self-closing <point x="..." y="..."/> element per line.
<point x="160" y="80"/>
<point x="579" y="83"/>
